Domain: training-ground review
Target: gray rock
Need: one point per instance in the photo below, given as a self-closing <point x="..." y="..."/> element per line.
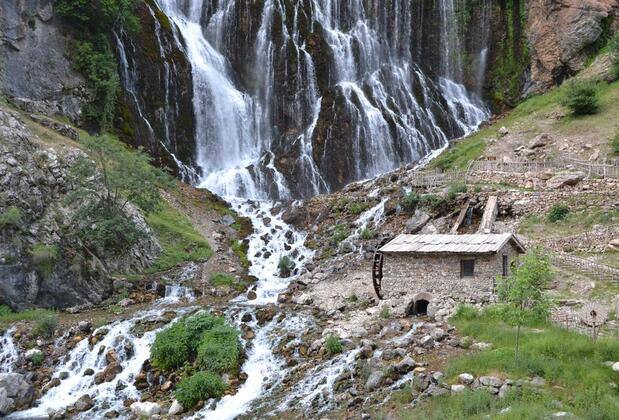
<point x="566" y="178"/>
<point x="437" y="391"/>
<point x="540" y="141"/>
<point x="481" y="346"/>
<point x="227" y="220"/>
<point x="18" y="389"/>
<point x="491" y="381"/>
<point x="84" y="403"/>
<point x="504" y="390"/>
<point x="175" y="408"/>
<point x="458" y="388"/>
<point x="427" y="341"/>
<point x="145" y="409"/>
<point x="438" y="334"/>
<point x="33" y="354"/>
<point x="538" y="382"/>
<point x="417" y="222"/>
<point x="406" y="365"/>
<point x="6" y="403"/>
<point x="375" y="380"/>
<point x="466" y="378"/>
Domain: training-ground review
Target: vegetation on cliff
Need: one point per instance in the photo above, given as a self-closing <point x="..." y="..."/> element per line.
<point x="92" y="23"/>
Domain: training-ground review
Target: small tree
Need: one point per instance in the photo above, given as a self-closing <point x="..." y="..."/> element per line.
<point x="523" y="291"/>
<point x="581" y="98"/>
<point x="104" y="183"/>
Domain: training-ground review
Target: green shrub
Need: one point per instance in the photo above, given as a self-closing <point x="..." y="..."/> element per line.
<point x="557" y="212"/>
<point x="385" y="313"/>
<point x="170" y="349"/>
<point x="46" y="325"/>
<point x="467" y="312"/>
<point x="240" y="250"/>
<point x="221" y="279"/>
<point x="197" y="324"/>
<point x="614" y="144"/>
<point x="199" y="387"/>
<point x="339" y="234"/>
<point x="5" y="311"/>
<point x="366" y="234"/>
<point x="358" y="208"/>
<point x="581" y="98"/>
<point x="431" y="201"/>
<point x="10" y="218"/>
<point x="455" y="189"/>
<point x="333" y="344"/>
<point x="219" y="349"/>
<point x="44" y="257"/>
<point x="37" y="359"/>
<point x="286" y="266"/>
<point x="410" y="201"/>
<point x="613" y="46"/>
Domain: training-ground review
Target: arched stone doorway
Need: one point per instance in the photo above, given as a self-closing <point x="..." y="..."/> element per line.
<point x="419" y="305"/>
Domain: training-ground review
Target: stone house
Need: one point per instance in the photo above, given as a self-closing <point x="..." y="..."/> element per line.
<point x="423" y="268"/>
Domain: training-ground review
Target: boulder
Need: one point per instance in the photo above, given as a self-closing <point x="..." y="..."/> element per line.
<point x="84" y="403"/>
<point x="491" y="381"/>
<point x="566" y="178"/>
<point x="615" y="366"/>
<point x="417" y="222"/>
<point x="481" y="346"/>
<point x="303" y="299"/>
<point x="466" y="378"/>
<point x="614" y="244"/>
<point x="503" y="131"/>
<point x="458" y="388"/>
<point x="540" y="141"/>
<point x="18" y="389"/>
<point x="375" y="380"/>
<point x="145" y="409"/>
<point x="438" y="334"/>
<point x="6" y="403"/>
<point x="175" y="408"/>
<point x="406" y="365"/>
<point x="427" y="341"/>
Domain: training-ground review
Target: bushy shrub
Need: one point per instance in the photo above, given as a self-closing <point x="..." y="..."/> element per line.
<point x="197" y="324"/>
<point x="431" y="201"/>
<point x="46" y="325"/>
<point x="385" y="313"/>
<point x="613" y="46"/>
<point x="219" y="349"/>
<point x="171" y="348"/>
<point x="558" y="212"/>
<point x="37" y="359"/>
<point x="614" y="144"/>
<point x="410" y="202"/>
<point x="358" y="208"/>
<point x="5" y="310"/>
<point x="44" y="258"/>
<point x="240" y="250"/>
<point x="286" y="266"/>
<point x="333" y="344"/>
<point x="10" y="218"/>
<point x="221" y="279"/>
<point x="581" y="98"/>
<point x="455" y="189"/>
<point x="366" y="234"/>
<point x="467" y="312"/>
<point x="199" y="387"/>
<point x="339" y="234"/>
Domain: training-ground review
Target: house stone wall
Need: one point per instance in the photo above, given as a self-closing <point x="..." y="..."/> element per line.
<point x="439" y="275"/>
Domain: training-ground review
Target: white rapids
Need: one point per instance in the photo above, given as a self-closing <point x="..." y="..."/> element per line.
<point x="8" y="351"/>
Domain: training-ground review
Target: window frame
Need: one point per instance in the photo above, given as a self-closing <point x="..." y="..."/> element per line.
<point x="505" y="268"/>
<point x="463" y="271"/>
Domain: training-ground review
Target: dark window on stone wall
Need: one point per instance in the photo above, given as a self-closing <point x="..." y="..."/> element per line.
<point x="505" y="266"/>
<point x="467" y="268"/>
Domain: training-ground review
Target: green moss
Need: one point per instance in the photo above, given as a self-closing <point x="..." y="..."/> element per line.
<point x="240" y="250"/>
<point x="44" y="258"/>
<point x="10" y="218"/>
<point x="179" y="240"/>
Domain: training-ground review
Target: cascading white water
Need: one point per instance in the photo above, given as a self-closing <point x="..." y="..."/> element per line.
<point x="8" y="351"/>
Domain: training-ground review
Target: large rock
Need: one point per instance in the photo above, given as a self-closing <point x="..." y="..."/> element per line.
<point x="6" y="403"/>
<point x="375" y="380"/>
<point x="566" y="178"/>
<point x="417" y="222"/>
<point x="561" y="34"/>
<point x="145" y="409"/>
<point x="18" y="389"/>
<point x="84" y="403"/>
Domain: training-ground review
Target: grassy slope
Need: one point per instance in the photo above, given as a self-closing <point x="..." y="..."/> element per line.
<point x="527" y="115"/>
<point x="577" y="380"/>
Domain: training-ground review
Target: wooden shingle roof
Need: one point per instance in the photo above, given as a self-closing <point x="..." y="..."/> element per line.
<point x="451" y="244"/>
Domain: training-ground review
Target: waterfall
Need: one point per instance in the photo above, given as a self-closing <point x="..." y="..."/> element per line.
<point x="275" y="130"/>
<point x="8" y="351"/>
<point x="482" y="62"/>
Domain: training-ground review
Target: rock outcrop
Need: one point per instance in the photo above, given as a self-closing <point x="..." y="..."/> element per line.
<point x="36" y="71"/>
<point x="562" y="35"/>
<point x="34" y="185"/>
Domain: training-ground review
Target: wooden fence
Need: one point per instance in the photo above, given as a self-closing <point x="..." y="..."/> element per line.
<point x="437" y="178"/>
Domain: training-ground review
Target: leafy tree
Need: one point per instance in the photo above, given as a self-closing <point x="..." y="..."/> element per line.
<point x="582" y="98"/>
<point x="104" y="183"/>
<point x="523" y="291"/>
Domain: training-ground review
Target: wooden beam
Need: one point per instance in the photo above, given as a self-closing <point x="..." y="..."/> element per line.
<point x="461" y="217"/>
<point x="490" y="213"/>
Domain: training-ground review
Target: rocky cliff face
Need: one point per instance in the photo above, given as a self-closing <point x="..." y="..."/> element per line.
<point x="40" y="264"/>
<point x="35" y="68"/>
<point x="562" y="36"/>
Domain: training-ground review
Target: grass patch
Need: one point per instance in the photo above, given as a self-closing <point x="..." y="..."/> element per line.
<point x="333" y="344"/>
<point x="10" y="218"/>
<point x="574" y="222"/>
<point x="572" y="364"/>
<point x="179" y="240"/>
<point x="221" y="280"/>
<point x="340" y="233"/>
<point x="44" y="258"/>
<point x="7" y="316"/>
<point x="240" y="250"/>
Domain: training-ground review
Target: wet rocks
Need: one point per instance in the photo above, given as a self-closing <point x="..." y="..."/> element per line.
<point x="175" y="408"/>
<point x="145" y="409"/>
<point x="266" y="314"/>
<point x="18" y="391"/>
<point x="84" y="403"/>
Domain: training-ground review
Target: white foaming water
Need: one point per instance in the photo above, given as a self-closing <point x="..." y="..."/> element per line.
<point x="8" y="351"/>
<point x="132" y="349"/>
<point x="371" y="218"/>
